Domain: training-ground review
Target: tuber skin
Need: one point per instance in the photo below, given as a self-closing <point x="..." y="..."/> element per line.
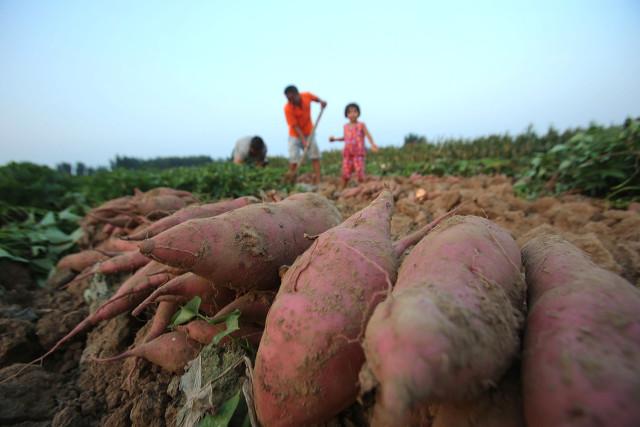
<point x="128" y="295"/>
<point x="450" y="328"/>
<point x="127" y="261"/>
<point x="161" y="319"/>
<point x="190" y="212"/>
<point x="185" y="287"/>
<point x="243" y="249"/>
<point x="582" y="340"/>
<point x="499" y="407"/>
<point x="253" y="307"/>
<point x="171" y="351"/>
<point x="204" y="332"/>
<point x="81" y="260"/>
<point x="308" y="361"/>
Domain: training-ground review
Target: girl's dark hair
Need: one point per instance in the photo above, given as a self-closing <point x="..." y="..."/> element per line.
<point x="351" y="105"/>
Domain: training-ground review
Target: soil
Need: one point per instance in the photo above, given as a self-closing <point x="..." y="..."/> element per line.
<point x="69" y="389"/>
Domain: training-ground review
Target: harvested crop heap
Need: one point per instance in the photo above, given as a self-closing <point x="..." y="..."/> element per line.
<point x="331" y="321"/>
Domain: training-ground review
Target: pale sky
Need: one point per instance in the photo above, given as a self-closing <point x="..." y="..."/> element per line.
<point x="89" y="80"/>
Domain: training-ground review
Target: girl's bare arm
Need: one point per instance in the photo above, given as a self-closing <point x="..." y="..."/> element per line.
<point x="374" y="147"/>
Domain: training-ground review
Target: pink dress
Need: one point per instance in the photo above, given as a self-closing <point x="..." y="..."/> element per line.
<point x="354" y="151"/>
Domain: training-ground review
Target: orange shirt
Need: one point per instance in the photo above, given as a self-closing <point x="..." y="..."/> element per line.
<point x="300" y="115"/>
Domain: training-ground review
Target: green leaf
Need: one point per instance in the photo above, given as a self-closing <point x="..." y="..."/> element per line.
<point x="48" y="219"/>
<point x="224" y="414"/>
<point x="186" y="312"/>
<point x="564" y="164"/>
<point x="55" y="236"/>
<point x="58" y="249"/>
<point x="67" y="215"/>
<point x="44" y="264"/>
<point x="36" y="236"/>
<point x="6" y="254"/>
<point x="37" y="250"/>
<point x="76" y="234"/>
<point x="231" y="321"/>
<point x="557" y="148"/>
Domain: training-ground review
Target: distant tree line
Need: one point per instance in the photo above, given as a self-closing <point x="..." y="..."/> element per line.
<point x="132" y="163"/>
<point x="79" y="169"/>
<point x="159" y="162"/>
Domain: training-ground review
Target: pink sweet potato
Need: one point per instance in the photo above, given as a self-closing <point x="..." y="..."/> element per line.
<point x="308" y="361"/>
<point x="191" y="212"/>
<point x="171" y="351"/>
<point x="114" y="244"/>
<point x="158" y="206"/>
<point x="127" y="261"/>
<point x="128" y="295"/>
<point x="81" y="260"/>
<point x="253" y="306"/>
<point x="243" y="249"/>
<point x="161" y="319"/>
<point x="204" y="332"/>
<point x="582" y="340"/>
<point x="119" y="221"/>
<point x="185" y="287"/>
<point x="499" y="407"/>
<point x="451" y="326"/>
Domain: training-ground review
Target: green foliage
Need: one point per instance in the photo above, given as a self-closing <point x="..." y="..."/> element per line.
<point x="190" y="311"/>
<point x="30" y="185"/>
<point x="213" y="181"/>
<point x="224" y="414"/>
<point x="40" y="241"/>
<point x="599" y="162"/>
<point x="187" y="312"/>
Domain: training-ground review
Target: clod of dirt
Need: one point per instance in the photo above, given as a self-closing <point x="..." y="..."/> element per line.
<point x="17" y="341"/>
<point x="30" y="397"/>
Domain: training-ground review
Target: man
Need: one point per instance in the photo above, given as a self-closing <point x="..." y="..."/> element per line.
<point x="250" y="149"/>
<point x="298" y="114"/>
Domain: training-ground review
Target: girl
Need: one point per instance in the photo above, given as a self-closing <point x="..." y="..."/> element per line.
<point x="354" y="152"/>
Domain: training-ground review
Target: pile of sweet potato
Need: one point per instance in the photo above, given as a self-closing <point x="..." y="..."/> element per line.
<point x="227" y="254"/>
<point x="464" y="329"/>
<point x="444" y="347"/>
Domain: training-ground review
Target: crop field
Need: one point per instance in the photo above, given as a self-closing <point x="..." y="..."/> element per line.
<point x="60" y="228"/>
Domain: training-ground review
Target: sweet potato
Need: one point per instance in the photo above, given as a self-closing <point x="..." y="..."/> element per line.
<point x="191" y="212"/>
<point x="308" y="361"/>
<point x="171" y="351"/>
<point x="119" y="221"/>
<point x="451" y="326"/>
<point x="204" y="332"/>
<point x="128" y="295"/>
<point x="161" y="319"/>
<point x="243" y="249"/>
<point x="165" y="191"/>
<point x="114" y="244"/>
<point x="582" y="340"/>
<point x="253" y="306"/>
<point x="127" y="261"/>
<point x="81" y="260"/>
<point x="112" y="207"/>
<point x="158" y="206"/>
<point x="500" y="407"/>
<point x="185" y="287"/>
